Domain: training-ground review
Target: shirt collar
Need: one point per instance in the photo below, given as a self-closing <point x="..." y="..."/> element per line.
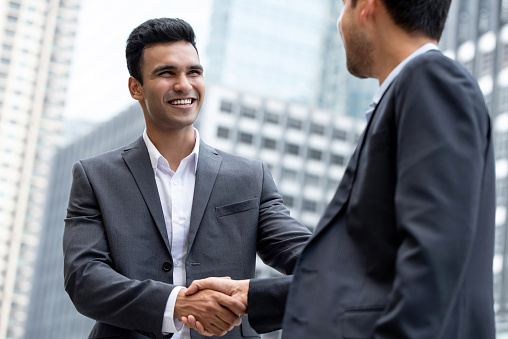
<point x="154" y="153"/>
<point x="396" y="71"/>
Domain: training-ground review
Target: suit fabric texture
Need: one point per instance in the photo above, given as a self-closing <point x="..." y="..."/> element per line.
<point x="405" y="248"/>
<point x="117" y="261"/>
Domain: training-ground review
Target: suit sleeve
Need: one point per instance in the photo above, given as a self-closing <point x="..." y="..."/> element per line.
<point x="95" y="288"/>
<point x="267" y="302"/>
<point x="443" y="141"/>
<point x="280" y="238"/>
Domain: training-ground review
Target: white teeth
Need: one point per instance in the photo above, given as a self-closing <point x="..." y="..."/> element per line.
<point x="181" y="102"/>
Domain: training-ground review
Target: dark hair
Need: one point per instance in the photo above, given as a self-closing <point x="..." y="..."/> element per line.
<point x="154" y="31"/>
<point x="423" y="16"/>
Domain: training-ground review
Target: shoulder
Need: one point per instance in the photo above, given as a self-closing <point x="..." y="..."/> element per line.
<point x="112" y="156"/>
<point x="435" y="66"/>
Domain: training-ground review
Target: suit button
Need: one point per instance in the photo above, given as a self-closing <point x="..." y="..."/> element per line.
<point x="167" y="266"/>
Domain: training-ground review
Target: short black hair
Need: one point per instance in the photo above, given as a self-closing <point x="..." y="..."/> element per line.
<point x="418" y="16"/>
<point x="154" y="31"/>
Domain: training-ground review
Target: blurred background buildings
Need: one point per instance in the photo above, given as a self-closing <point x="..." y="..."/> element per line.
<point x="277" y="90"/>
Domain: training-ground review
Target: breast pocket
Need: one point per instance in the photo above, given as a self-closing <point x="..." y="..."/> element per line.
<point x="237" y="207"/>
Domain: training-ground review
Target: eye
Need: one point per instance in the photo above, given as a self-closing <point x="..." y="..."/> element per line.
<point x="195" y="72"/>
<point x="166" y="73"/>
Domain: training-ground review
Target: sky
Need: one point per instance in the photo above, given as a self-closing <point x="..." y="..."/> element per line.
<point x="98" y="80"/>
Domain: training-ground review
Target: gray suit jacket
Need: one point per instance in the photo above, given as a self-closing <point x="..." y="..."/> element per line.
<point x="405" y="248"/>
<point x="117" y="261"/>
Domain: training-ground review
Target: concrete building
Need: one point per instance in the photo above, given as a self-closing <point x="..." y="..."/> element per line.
<point x="476" y="35"/>
<point x="36" y="38"/>
<point x="306" y="150"/>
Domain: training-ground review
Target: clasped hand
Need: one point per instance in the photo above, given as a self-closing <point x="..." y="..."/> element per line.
<point x="213" y="306"/>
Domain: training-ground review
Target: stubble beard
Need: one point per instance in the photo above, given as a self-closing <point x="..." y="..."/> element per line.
<point x="359" y="56"/>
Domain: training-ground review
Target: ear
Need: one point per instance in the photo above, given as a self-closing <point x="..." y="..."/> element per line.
<point x="135" y="89"/>
<point x="368" y="11"/>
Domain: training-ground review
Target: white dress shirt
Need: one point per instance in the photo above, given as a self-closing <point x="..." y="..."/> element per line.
<point x="176" y="191"/>
<point x="393" y="74"/>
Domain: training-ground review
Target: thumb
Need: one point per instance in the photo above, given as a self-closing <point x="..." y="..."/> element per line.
<point x="208" y="283"/>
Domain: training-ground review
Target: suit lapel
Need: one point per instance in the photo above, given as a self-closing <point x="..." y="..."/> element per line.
<point x="208" y="167"/>
<point x="138" y="161"/>
<point x="343" y="191"/>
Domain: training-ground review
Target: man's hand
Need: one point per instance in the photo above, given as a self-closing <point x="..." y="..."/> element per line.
<point x="217" y="312"/>
<point x="237" y="289"/>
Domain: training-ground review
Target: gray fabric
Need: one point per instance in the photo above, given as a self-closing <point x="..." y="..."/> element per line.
<point x="116" y="247"/>
<point x="405" y="248"/>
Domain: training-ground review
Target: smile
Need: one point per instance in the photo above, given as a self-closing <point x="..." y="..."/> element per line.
<point x="181" y="102"/>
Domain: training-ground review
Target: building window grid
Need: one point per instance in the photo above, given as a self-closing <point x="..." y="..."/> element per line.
<point x="292" y="149"/>
<point x="226" y="106"/>
<point x="222" y="132"/>
<point x="271" y="118"/>
<point x="246" y="138"/>
<point x="486" y="63"/>
<point x="248" y="112"/>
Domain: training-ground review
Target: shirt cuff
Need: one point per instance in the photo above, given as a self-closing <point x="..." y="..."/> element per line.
<point x="171" y="324"/>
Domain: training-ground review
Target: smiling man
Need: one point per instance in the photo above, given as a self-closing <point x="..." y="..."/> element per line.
<point x="146" y="220"/>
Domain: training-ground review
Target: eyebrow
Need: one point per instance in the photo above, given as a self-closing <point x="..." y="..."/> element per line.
<point x="171" y="68"/>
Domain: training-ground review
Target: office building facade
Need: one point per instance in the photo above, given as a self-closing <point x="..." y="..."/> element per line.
<point x="36" y="39"/>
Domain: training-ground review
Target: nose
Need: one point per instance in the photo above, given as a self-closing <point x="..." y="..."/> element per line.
<point x="182" y="84"/>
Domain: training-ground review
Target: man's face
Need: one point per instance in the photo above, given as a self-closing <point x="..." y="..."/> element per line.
<point x="359" y="50"/>
<point x="173" y="85"/>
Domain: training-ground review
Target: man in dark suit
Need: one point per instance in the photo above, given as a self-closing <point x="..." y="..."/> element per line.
<point x="147" y="219"/>
<point x="405" y="248"/>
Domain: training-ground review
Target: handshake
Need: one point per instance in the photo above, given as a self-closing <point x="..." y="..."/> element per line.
<point x="213" y="306"/>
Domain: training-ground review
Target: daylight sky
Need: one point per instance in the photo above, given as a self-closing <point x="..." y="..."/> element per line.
<point x="98" y="82"/>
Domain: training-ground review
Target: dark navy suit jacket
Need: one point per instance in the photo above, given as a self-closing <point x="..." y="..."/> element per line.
<point x="405" y="248"/>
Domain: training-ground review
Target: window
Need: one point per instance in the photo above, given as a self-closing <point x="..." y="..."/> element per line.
<point x="309" y="205"/>
<point x="226" y="106"/>
<point x="289" y="201"/>
<point x="294" y="123"/>
<point x="248" y="112"/>
<point x="246" y="138"/>
<point x="314" y="154"/>
<point x="339" y="134"/>
<point x="292" y="149"/>
<point x="11" y="18"/>
<point x="317" y="129"/>
<point x="271" y="118"/>
<point x="8" y="32"/>
<point x="14" y="5"/>
<point x="312" y="180"/>
<point x="338" y="160"/>
<point x="269" y="143"/>
<point x="289" y="174"/>
<point x="5" y="61"/>
<point x="222" y="132"/>
<point x="7" y="47"/>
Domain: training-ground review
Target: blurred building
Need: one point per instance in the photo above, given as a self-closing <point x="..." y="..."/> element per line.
<point x="476" y="35"/>
<point x="36" y="38"/>
<point x="288" y="50"/>
<point x="305" y="148"/>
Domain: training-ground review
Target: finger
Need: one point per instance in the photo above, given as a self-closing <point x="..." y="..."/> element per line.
<point x="217" y="284"/>
<point x="233" y="304"/>
<point x="191" y="322"/>
<point x="193" y="288"/>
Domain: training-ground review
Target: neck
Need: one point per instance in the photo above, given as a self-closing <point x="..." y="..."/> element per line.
<point x="173" y="145"/>
<point x="395" y="50"/>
